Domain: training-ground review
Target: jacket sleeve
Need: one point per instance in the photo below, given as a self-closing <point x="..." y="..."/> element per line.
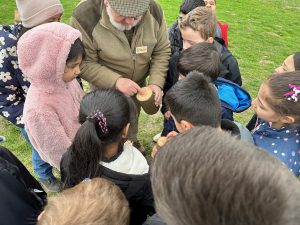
<point x="91" y="68"/>
<point x="48" y="136"/>
<point x="13" y="85"/>
<point x="172" y="78"/>
<point x="231" y="64"/>
<point x="160" y="56"/>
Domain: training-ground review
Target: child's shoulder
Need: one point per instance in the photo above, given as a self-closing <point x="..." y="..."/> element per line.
<point x="265" y="133"/>
<point x="9" y="35"/>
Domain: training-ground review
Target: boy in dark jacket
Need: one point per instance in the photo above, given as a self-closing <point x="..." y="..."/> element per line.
<point x="174" y="32"/>
<point x="194" y="101"/>
<point x="199" y="26"/>
<point x="203" y="57"/>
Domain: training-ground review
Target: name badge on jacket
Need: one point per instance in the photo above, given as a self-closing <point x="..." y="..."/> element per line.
<point x="140" y="50"/>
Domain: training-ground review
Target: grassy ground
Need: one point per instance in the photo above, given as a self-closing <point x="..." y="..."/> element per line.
<point x="261" y="34"/>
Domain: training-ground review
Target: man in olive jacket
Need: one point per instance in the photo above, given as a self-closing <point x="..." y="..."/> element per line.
<point x="125" y="41"/>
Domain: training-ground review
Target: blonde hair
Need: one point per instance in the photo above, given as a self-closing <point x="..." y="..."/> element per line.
<point x="94" y="202"/>
<point x="200" y="19"/>
<point x="17" y="16"/>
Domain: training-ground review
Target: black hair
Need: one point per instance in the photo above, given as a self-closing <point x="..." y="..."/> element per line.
<point x="279" y="85"/>
<point x="77" y="49"/>
<point x="195" y="99"/>
<point x="205" y="176"/>
<point x="23" y="31"/>
<point x="91" y="139"/>
<point x="189" y="5"/>
<point x="297" y="60"/>
<point x="202" y="57"/>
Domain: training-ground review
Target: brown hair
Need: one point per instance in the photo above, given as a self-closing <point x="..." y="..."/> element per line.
<point x="200" y="19"/>
<point x="279" y="85"/>
<point x="205" y="176"/>
<point x="94" y="202"/>
<point x="202" y="57"/>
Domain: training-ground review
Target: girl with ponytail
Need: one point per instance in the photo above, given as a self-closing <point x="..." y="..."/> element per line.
<point x="98" y="150"/>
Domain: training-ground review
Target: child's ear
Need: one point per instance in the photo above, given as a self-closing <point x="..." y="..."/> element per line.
<point x="186" y="125"/>
<point x="210" y="40"/>
<point x="287" y="119"/>
<point x="125" y="130"/>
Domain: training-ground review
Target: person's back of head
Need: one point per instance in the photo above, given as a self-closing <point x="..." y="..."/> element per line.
<point x="94" y="202"/>
<point x="104" y="114"/>
<point x="205" y="176"/>
<point x="194" y="99"/>
<point x="202" y="57"/>
<point x="202" y="20"/>
<point x="189" y="5"/>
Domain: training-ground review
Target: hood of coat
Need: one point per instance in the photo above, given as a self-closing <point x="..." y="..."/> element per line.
<point x="232" y="96"/>
<point x="42" y="54"/>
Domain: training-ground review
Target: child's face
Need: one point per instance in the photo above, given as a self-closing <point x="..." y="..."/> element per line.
<point x="211" y="4"/>
<point x="262" y="107"/>
<point x="55" y="18"/>
<point x="288" y="65"/>
<point x="191" y="37"/>
<point x="72" y="69"/>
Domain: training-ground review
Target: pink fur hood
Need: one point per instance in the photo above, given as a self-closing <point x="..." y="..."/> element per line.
<point x="42" y="54"/>
<point x="52" y="105"/>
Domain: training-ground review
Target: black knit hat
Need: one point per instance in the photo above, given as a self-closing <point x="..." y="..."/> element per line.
<point x="189" y="5"/>
<point x="130" y="8"/>
<point x="297" y="60"/>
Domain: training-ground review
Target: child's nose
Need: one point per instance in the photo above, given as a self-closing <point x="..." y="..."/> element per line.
<point x="77" y="72"/>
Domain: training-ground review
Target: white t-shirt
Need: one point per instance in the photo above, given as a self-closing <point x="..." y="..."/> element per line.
<point x="131" y="161"/>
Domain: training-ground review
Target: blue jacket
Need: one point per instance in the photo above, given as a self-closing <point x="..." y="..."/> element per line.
<point x="13" y="84"/>
<point x="233" y="98"/>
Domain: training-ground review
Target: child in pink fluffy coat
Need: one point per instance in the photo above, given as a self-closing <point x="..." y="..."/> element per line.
<point x="50" y="55"/>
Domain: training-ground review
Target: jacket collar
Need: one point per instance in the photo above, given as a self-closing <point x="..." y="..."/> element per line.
<point x="228" y="125"/>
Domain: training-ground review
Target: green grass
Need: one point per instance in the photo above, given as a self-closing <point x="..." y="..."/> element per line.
<point x="262" y="33"/>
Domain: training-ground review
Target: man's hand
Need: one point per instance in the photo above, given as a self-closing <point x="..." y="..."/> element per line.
<point x="157" y="92"/>
<point x="127" y="86"/>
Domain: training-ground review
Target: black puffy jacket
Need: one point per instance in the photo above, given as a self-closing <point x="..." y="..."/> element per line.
<point x="21" y="196"/>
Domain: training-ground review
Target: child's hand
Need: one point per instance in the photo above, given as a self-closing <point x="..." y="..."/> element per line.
<point x="154" y="151"/>
<point x="163" y="140"/>
<point x="171" y="135"/>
